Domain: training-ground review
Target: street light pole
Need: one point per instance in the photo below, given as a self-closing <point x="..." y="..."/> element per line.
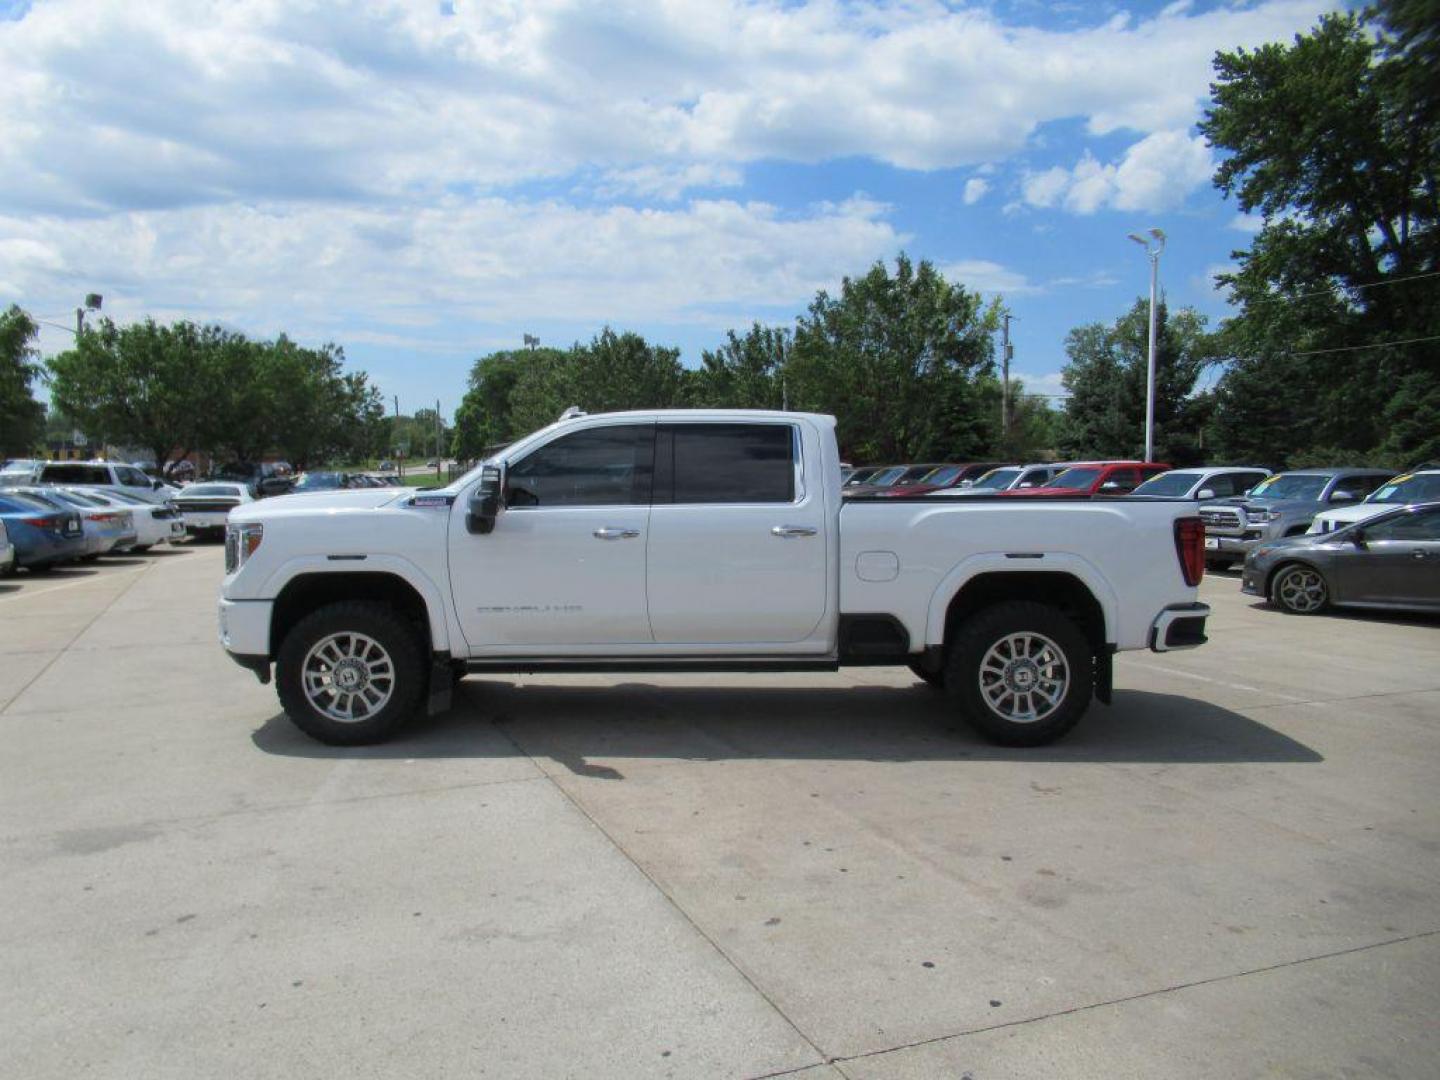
<point x="1154" y="254"/>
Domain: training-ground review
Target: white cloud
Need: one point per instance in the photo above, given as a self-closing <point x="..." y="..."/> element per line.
<point x="985" y="276"/>
<point x="1156" y="173"/>
<point x="139" y="106"/>
<point x="1247" y="223"/>
<point x="667" y="182"/>
<point x="315" y="269"/>
<point x="975" y="189"/>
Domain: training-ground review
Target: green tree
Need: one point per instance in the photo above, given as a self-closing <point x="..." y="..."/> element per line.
<point x="142" y="385"/>
<point x="486" y="415"/>
<point x="1332" y="139"/>
<point x="22" y="418"/>
<point x="896" y="358"/>
<point x="614" y="371"/>
<point x="1106" y="377"/>
<point x="745" y="372"/>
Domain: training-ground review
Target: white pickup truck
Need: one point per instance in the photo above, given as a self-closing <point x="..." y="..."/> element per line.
<point x="697" y="541"/>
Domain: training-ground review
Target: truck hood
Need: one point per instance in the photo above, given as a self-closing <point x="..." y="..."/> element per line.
<point x="1348" y="515"/>
<point x="320" y="502"/>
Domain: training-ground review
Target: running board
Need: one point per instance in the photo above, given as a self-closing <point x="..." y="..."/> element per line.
<point x="530" y="665"/>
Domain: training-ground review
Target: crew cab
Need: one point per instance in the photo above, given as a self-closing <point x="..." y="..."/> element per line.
<point x="683" y="540"/>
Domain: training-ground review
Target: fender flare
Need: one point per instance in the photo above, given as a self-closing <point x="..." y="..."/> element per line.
<point x="394" y="565"/>
<point x="990" y="562"/>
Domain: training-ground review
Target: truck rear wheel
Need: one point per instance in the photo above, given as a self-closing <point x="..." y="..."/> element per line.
<point x="351" y="673"/>
<point x="1021" y="673"/>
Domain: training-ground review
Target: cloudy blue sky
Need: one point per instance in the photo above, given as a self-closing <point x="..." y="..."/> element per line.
<point x="426" y="182"/>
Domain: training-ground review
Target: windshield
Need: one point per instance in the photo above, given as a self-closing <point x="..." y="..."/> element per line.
<point x="886" y="477"/>
<point x="1075" y="479"/>
<point x="997" y="479"/>
<point x="1408" y="489"/>
<point x="212" y="490"/>
<point x="946" y="474"/>
<point x="318" y="481"/>
<point x="915" y="473"/>
<point x="1169" y="483"/>
<point x="1290" y="486"/>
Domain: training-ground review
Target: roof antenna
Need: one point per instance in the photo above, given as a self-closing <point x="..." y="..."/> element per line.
<point x="571" y="413"/>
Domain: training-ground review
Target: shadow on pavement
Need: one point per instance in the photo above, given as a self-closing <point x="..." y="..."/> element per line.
<point x="1354" y="615"/>
<point x="580" y="725"/>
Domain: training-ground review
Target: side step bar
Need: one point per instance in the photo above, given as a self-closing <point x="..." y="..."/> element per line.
<point x="532" y="665"/>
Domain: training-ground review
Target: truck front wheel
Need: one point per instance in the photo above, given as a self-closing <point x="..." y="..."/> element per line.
<point x="1020" y="672"/>
<point x="351" y="673"/>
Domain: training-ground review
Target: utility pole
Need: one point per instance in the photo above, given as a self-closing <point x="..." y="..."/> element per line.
<point x="1152" y="251"/>
<point x="439" y="453"/>
<point x="1007" y="353"/>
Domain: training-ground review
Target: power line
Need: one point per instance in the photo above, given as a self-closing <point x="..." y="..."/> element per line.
<point x="1377" y="345"/>
<point x="1333" y="288"/>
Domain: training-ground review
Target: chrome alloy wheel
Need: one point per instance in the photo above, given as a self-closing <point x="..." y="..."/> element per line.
<point x="348" y="677"/>
<point x="1301" y="589"/>
<point x="1024" y="677"/>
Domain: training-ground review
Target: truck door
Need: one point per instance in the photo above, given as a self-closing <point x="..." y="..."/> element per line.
<point x="565" y="564"/>
<point x="737" y="537"/>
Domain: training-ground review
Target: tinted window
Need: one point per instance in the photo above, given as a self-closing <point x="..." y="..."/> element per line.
<point x="1176" y="484"/>
<point x="606" y="466"/>
<point x="999" y="479"/>
<point x="212" y="491"/>
<point x="733" y="463"/>
<point x="133" y="478"/>
<point x="76" y="474"/>
<point x="1123" y="479"/>
<point x="1290" y="486"/>
<point x="1421" y="526"/>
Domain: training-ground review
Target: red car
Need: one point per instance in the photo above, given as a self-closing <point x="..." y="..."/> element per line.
<point x="1093" y="478"/>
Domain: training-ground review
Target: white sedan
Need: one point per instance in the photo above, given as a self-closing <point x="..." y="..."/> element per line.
<point x="153" y="524"/>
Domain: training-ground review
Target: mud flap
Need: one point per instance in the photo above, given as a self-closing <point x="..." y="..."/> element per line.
<point x="1104" y="674"/>
<point x="442" y="685"/>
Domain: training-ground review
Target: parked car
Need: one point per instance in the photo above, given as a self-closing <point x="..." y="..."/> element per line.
<point x="1201" y="484"/>
<point x="1411" y="488"/>
<point x="325" y="481"/>
<point x="1391" y="561"/>
<point x="105" y="528"/>
<point x="1005" y="478"/>
<point x="205" y="507"/>
<point x="104" y="474"/>
<point x="261" y="479"/>
<point x="860" y="475"/>
<point x="941" y="478"/>
<point x="7" y="551"/>
<point x="387" y="467"/>
<point x="880" y="478"/>
<point x="1282" y="505"/>
<point x="153" y="524"/>
<point x="19" y="471"/>
<point x="42" y="535"/>
<point x="1094" y="478"/>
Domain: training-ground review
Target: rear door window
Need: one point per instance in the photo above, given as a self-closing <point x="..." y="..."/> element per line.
<point x="726" y="463"/>
<point x="74" y="473"/>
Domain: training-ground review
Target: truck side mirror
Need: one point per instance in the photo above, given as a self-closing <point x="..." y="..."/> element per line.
<point x="1343" y="496"/>
<point x="487" y="501"/>
<point x="1206" y="493"/>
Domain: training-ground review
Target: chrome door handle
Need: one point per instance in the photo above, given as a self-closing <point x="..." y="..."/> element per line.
<point x="785" y="532"/>
<point x="609" y="532"/>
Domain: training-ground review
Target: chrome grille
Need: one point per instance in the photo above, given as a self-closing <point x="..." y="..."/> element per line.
<point x="232" y="550"/>
<point x="1221" y="517"/>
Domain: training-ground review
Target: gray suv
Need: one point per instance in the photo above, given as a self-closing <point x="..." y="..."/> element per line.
<point x="1278" y="507"/>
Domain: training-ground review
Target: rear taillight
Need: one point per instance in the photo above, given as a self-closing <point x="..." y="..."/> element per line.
<point x="43" y="522"/>
<point x="1190" y="549"/>
<point x="104" y="517"/>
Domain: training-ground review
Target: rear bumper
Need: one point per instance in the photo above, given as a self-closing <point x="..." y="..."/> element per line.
<point x="1180" y="626"/>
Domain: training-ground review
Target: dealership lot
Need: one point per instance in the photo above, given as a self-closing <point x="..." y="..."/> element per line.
<point x="1231" y="872"/>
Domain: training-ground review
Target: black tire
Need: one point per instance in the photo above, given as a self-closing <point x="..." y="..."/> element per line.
<point x="1299" y="589"/>
<point x="935" y="679"/>
<point x="386" y="628"/>
<point x="1059" y="654"/>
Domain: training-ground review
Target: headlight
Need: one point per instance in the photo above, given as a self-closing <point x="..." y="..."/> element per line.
<point x="1260" y="516"/>
<point x="240" y="543"/>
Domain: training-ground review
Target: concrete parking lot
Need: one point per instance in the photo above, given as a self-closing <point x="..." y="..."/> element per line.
<point x="1232" y="872"/>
